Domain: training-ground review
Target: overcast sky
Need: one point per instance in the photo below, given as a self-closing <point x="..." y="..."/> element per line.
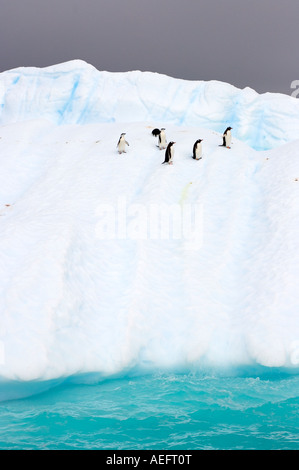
<point x="244" y="42"/>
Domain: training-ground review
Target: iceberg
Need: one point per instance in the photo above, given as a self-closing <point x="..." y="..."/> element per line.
<point x="77" y="93"/>
<point x="89" y="281"/>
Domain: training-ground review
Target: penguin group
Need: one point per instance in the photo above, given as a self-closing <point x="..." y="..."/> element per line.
<point x="163" y="145"/>
<point x="169" y="148"/>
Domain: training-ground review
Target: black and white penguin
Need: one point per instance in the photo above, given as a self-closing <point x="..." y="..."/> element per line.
<point x="122" y="143"/>
<point x="162" y="139"/>
<point x="227" y="138"/>
<point x="169" y="153"/>
<point x="197" y="150"/>
<point x="156" y="132"/>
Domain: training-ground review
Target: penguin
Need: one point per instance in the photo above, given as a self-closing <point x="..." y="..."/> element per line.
<point x="197" y="150"/>
<point x="162" y="139"/>
<point x="122" y="143"/>
<point x="156" y="132"/>
<point x="169" y="153"/>
<point x="227" y="138"/>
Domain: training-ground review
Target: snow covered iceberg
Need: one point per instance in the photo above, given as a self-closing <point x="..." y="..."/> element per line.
<point x="74" y="301"/>
<point x="76" y="93"/>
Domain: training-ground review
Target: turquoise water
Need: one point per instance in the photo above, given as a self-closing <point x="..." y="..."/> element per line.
<point x="163" y="411"/>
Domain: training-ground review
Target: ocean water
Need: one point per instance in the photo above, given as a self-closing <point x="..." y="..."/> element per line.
<point x="165" y="411"/>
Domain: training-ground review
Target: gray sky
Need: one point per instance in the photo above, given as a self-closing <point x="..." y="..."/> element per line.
<point x="244" y="42"/>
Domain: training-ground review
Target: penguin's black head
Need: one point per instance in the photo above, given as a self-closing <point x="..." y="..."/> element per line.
<point x="199" y="140"/>
<point x="229" y="128"/>
<point x="172" y="143"/>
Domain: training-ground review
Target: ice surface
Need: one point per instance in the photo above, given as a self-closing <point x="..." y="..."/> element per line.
<point x="81" y="292"/>
<point x="76" y="93"/>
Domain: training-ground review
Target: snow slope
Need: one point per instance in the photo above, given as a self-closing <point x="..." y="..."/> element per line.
<point x="73" y="300"/>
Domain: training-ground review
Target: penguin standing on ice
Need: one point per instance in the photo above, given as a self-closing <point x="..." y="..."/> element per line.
<point x="162" y="139"/>
<point x="197" y="150"/>
<point x="227" y="138"/>
<point x="169" y="153"/>
<point x="122" y="143"/>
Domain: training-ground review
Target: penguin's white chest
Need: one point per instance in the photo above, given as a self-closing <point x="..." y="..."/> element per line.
<point x="171" y="153"/>
<point x="198" y="151"/>
<point x="162" y="139"/>
<point x="122" y="144"/>
<point x="228" y="138"/>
